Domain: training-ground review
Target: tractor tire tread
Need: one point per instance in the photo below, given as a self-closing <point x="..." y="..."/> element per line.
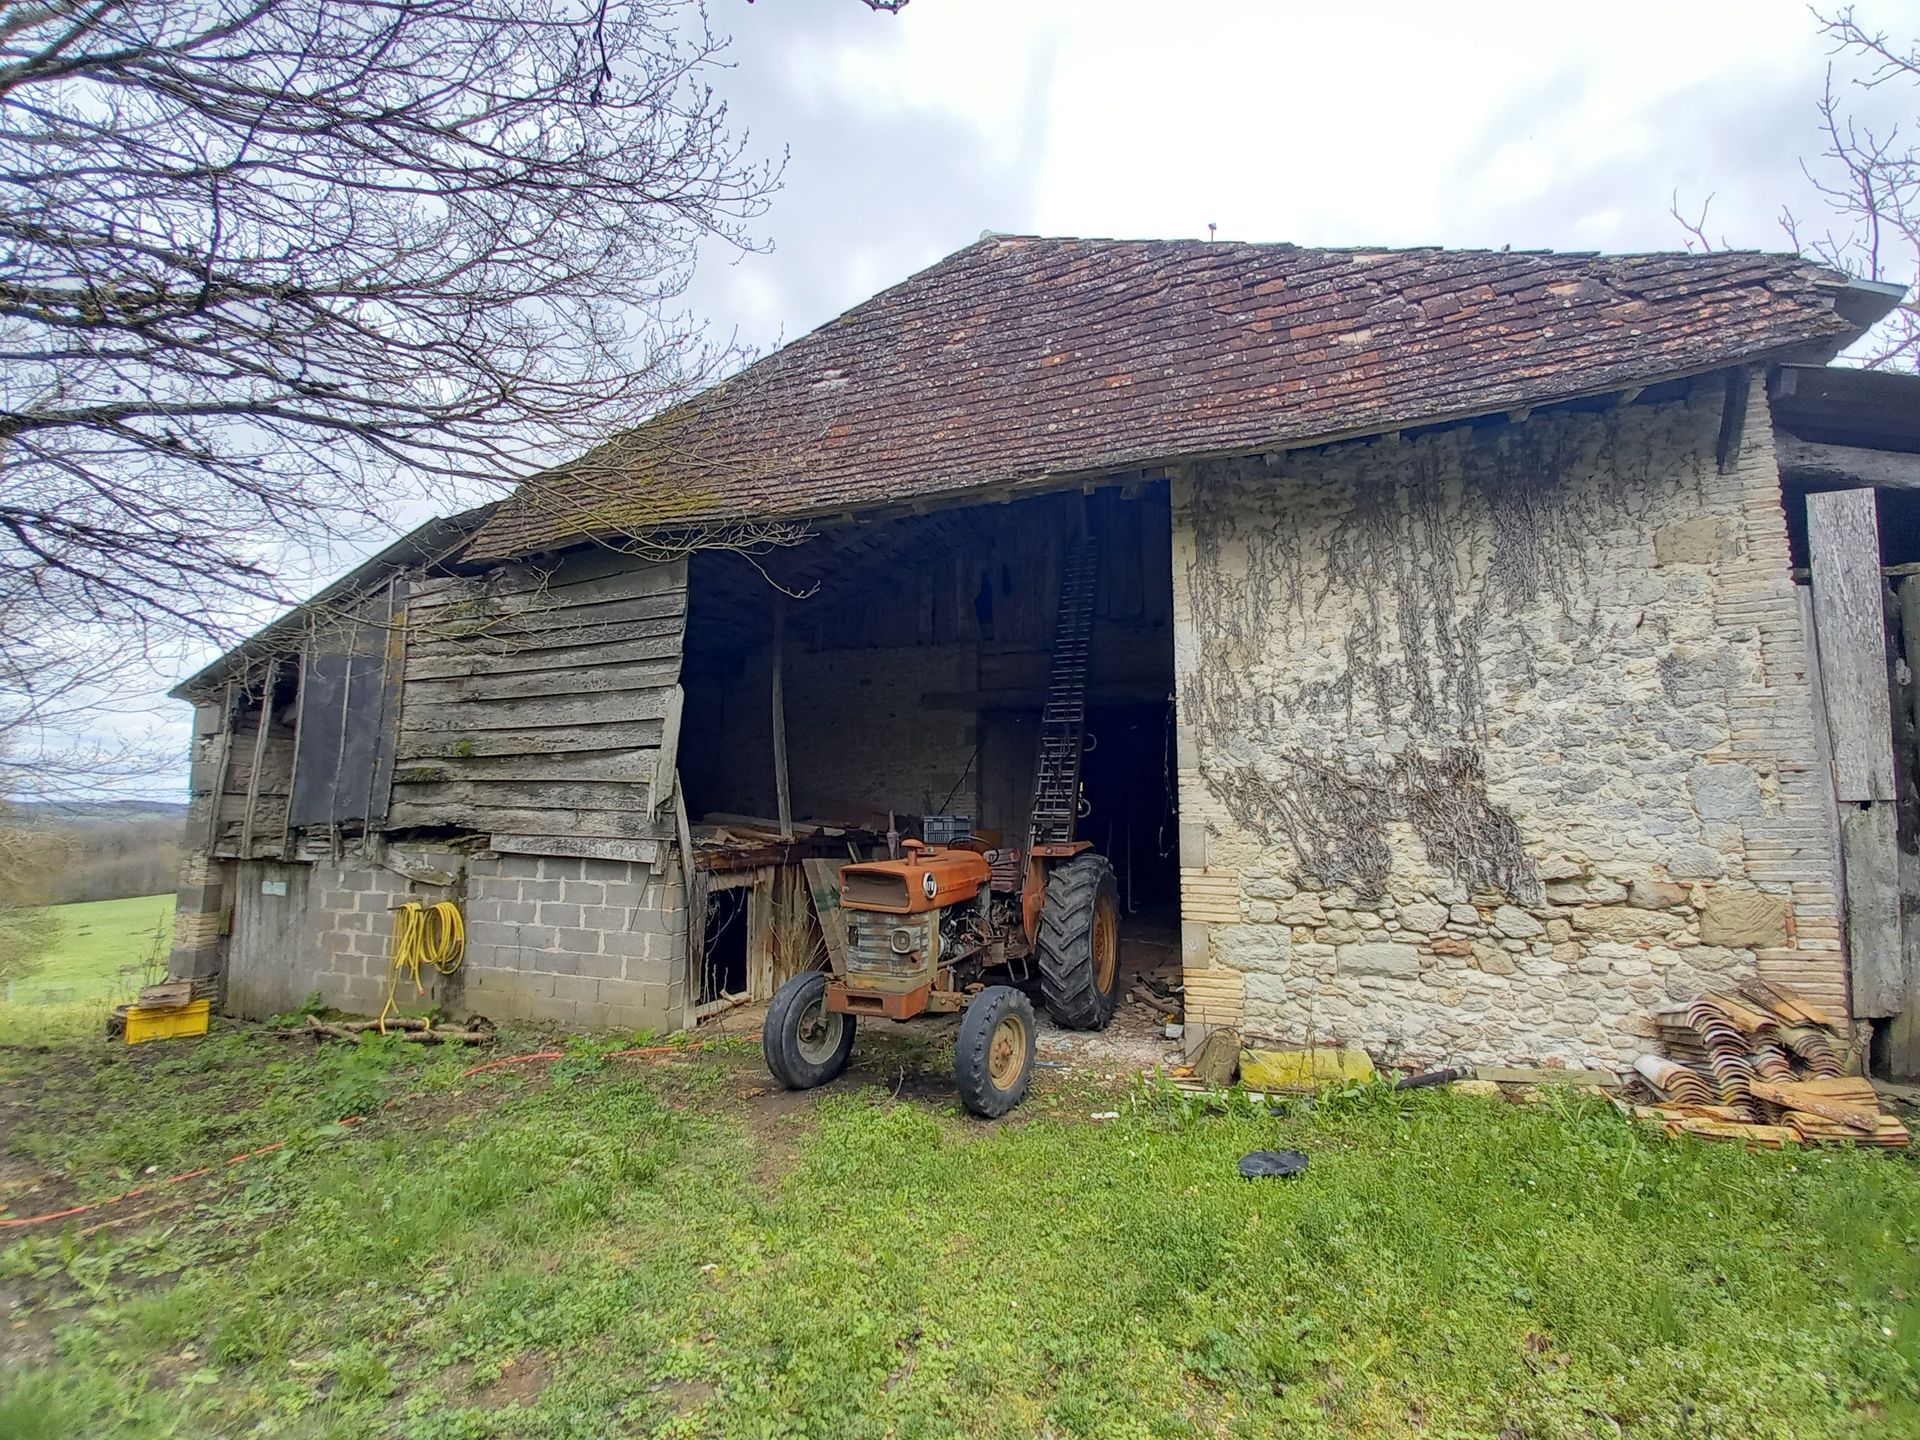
<point x="779" y="1037"/>
<point x="971" y="1073"/>
<point x="1064" y="944"/>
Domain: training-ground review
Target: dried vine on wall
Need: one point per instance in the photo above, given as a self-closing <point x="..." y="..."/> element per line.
<point x="1442" y="557"/>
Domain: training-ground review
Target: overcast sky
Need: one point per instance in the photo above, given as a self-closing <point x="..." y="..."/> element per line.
<point x="1532" y="125"/>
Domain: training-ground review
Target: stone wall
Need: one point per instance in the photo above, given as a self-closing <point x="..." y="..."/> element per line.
<point x="594" y="944"/>
<point x="1494" y="741"/>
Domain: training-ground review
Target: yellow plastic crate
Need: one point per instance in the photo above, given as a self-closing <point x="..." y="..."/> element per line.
<point x="167" y="1023"/>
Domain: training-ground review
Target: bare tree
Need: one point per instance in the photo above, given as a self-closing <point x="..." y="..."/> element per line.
<point x="262" y="262"/>
<point x="67" y="732"/>
<point x="1869" y="178"/>
<point x="268" y="265"/>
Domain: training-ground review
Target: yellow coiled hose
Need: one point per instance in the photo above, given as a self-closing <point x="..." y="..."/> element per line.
<point x="431" y="936"/>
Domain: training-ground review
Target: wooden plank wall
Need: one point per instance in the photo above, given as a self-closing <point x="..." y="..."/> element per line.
<point x="1903" y="1040"/>
<point x="534" y="705"/>
<point x="1843" y="542"/>
<point x="1850" y="622"/>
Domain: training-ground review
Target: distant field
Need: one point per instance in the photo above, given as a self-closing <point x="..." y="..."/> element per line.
<point x="100" y="959"/>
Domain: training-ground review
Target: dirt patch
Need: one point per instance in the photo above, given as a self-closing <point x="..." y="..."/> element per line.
<point x="915" y="1060"/>
<point x="683" y="1395"/>
<point x="26" y="1328"/>
<point x="520" y="1383"/>
<point x="777" y="1119"/>
<point x="913" y="1064"/>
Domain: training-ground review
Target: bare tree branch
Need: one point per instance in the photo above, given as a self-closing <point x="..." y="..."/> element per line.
<point x="1868" y="179"/>
<point x="268" y="267"/>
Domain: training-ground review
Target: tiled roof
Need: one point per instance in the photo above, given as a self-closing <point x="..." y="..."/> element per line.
<point x="1017" y="359"/>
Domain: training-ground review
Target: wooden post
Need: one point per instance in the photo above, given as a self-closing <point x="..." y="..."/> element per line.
<point x="664" y="784"/>
<point x="299" y="719"/>
<point x="1843" y="540"/>
<point x="692" y="895"/>
<point x="1843" y="543"/>
<point x="761" y="925"/>
<point x="1823" y="752"/>
<point x="780" y="715"/>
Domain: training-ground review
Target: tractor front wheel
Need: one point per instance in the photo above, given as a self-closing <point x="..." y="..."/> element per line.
<point x="805" y="1043"/>
<point x="1079" y="943"/>
<point x="993" y="1056"/>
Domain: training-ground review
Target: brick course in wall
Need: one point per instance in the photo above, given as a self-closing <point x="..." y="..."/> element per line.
<point x="1496" y="741"/>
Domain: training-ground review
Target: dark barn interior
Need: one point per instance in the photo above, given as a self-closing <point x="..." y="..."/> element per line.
<point x="913" y="657"/>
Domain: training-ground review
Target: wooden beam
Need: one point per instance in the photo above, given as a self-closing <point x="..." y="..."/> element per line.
<point x="823" y="879"/>
<point x="1823" y="747"/>
<point x="781" y="794"/>
<point x="299" y="719"/>
<point x="1875" y="962"/>
<point x="1903" y="1038"/>
<point x="1733" y="418"/>
<point x="694" y="896"/>
<point x="1808" y="462"/>
<point x="660" y="788"/>
<point x="642" y="852"/>
<point x="223" y="757"/>
<point x="760" y="932"/>
<point x="1844" y="545"/>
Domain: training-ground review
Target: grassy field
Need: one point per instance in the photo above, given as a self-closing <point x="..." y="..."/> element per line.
<point x="601" y="1247"/>
<point x="98" y="941"/>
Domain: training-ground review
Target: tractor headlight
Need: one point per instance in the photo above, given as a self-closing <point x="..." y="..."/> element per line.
<point x="901" y="938"/>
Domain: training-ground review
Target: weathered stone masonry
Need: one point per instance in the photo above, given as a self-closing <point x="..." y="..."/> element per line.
<point x="1494" y="741"/>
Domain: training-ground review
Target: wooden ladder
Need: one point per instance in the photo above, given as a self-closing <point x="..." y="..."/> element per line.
<point x="1056" y="783"/>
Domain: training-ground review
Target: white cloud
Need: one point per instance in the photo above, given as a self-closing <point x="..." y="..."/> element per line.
<point x="1534" y="125"/>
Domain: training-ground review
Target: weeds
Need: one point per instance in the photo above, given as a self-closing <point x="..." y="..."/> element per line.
<point x="594" y="1248"/>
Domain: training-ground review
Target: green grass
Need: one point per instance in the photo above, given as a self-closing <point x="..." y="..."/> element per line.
<point x="106" y="950"/>
<point x="600" y="1248"/>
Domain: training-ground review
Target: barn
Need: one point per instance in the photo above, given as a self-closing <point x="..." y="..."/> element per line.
<point x="1473" y="652"/>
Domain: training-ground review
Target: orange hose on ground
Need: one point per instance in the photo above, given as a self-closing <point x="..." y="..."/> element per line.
<point x="139" y="1190"/>
<point x="641" y="1053"/>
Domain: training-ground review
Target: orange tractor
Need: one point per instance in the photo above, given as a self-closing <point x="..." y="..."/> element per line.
<point x="926" y="930"/>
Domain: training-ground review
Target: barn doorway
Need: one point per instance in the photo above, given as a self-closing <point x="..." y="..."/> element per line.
<point x="904" y="664"/>
<point x="723" y="963"/>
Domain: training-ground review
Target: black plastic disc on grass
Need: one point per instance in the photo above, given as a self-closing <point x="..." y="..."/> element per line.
<point x="1262" y="1163"/>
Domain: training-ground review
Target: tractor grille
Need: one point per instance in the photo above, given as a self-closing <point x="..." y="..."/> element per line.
<point x="872" y="947"/>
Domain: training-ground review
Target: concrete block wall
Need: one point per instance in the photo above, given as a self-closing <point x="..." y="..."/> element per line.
<point x="1496" y="741"/>
<point x="597" y="944"/>
<point x="577" y="943"/>
<point x="860" y="735"/>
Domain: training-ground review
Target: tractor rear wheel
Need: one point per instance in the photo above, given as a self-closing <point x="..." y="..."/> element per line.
<point x="1079" y="943"/>
<point x="993" y="1056"/>
<point x="805" y="1043"/>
